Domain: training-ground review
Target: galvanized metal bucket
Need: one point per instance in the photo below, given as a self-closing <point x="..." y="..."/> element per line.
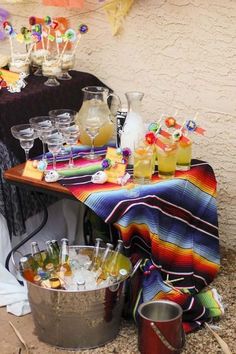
<point x="78" y="319"/>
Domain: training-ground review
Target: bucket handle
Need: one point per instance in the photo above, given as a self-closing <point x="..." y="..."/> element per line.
<point x="165" y="341"/>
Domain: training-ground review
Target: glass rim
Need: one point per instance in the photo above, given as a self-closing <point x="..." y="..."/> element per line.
<point x="61" y="110"/>
<point x="95" y="89"/>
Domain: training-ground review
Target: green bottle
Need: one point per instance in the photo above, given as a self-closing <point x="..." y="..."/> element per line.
<point x="36" y="254"/>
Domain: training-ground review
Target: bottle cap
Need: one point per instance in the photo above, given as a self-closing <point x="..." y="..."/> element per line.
<point x="49" y="266"/>
<point x="23" y="259"/>
<point x="37" y="278"/>
<point x="80" y="282"/>
<point x="123" y="272"/>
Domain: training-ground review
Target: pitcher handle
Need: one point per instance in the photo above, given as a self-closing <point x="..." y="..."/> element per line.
<point x="165" y="341"/>
<point x="118" y="99"/>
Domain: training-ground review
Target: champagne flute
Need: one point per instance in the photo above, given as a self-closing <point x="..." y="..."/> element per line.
<point x="71" y="135"/>
<point x="26" y="135"/>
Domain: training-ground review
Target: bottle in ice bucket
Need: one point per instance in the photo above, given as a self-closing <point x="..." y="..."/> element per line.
<point x="55" y="283"/>
<point x="103" y="272"/>
<point x="26" y="269"/>
<point x="64" y="262"/>
<point x="36" y="254"/>
<point x="56" y="247"/>
<point x="37" y="280"/>
<point x="96" y="259"/>
<point x="113" y="265"/>
<point x="52" y="254"/>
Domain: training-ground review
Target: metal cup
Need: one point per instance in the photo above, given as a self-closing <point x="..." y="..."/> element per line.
<point x="160" y="328"/>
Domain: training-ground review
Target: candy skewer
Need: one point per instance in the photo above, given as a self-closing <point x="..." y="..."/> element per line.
<point x="29" y="52"/>
<point x="76" y="44"/>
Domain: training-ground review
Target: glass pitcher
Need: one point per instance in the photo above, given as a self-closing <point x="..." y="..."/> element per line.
<point x="96" y="113"/>
<point x="134" y="128"/>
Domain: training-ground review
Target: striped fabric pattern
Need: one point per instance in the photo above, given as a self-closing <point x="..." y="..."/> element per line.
<point x="174" y="222"/>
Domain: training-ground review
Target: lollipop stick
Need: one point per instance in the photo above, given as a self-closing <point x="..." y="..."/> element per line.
<point x="77" y="43"/>
<point x="11" y="48"/>
<point x="29" y="52"/>
<point x="49" y="31"/>
<point x="63" y="50"/>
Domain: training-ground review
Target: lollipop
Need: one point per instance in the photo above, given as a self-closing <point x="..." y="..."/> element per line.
<point x="48" y="22"/>
<point x="83" y="28"/>
<point x="32" y="20"/>
<point x="10" y="31"/>
<point x="69" y="36"/>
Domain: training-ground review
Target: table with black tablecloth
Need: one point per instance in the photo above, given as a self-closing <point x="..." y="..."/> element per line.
<point x="35" y="99"/>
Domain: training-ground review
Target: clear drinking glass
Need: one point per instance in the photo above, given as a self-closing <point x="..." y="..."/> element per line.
<point x="143" y="163"/>
<point x="54" y="143"/>
<point x="167" y="159"/>
<point x="71" y="135"/>
<point x="26" y="135"/>
<point x="43" y="125"/>
<point x="92" y="129"/>
<point x="51" y="68"/>
<point x="20" y="63"/>
<point x="63" y="118"/>
<point x="67" y="63"/>
<point x="184" y="155"/>
<point x="37" y="57"/>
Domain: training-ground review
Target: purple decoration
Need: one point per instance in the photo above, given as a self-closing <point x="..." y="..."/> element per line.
<point x="3" y="16"/>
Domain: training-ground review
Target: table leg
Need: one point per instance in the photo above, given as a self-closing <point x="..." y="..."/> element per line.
<point x="34" y="232"/>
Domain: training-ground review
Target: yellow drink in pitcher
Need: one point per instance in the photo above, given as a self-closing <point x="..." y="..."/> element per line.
<point x="184" y="156"/>
<point x="167" y="161"/>
<point x="105" y="133"/>
<point x="95" y="110"/>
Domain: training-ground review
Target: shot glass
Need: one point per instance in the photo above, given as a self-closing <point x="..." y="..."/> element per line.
<point x="167" y="159"/>
<point x="184" y="155"/>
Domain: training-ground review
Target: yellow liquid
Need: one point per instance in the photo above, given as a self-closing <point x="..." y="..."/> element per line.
<point x="90" y="110"/>
<point x="105" y="134"/>
<point x="184" y="154"/>
<point x="143" y="165"/>
<point x="167" y="163"/>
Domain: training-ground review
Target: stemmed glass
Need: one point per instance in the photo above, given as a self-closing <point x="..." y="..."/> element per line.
<point x="43" y="125"/>
<point x="71" y="135"/>
<point x="51" y="68"/>
<point x="54" y="143"/>
<point x="26" y="135"/>
<point x="63" y="118"/>
<point x="67" y="63"/>
<point x="92" y="128"/>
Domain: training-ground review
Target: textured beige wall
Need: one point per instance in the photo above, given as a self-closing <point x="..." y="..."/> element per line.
<point x="182" y="55"/>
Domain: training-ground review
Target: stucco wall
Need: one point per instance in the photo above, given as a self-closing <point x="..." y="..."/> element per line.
<point x="182" y="55"/>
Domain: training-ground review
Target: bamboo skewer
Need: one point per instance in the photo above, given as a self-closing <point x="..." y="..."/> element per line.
<point x="223" y="345"/>
<point x="20" y="337"/>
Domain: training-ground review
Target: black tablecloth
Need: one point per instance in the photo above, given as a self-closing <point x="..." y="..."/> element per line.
<point x="37" y="99"/>
<point x="16" y="108"/>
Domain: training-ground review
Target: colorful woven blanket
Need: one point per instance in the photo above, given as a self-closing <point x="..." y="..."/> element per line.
<point x="173" y="222"/>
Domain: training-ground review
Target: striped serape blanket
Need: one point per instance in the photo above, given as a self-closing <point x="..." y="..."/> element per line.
<point x="173" y="222"/>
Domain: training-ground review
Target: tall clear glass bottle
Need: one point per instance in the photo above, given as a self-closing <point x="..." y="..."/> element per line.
<point x="103" y="271"/>
<point x="95" y="256"/>
<point x="114" y="266"/>
<point x="36" y="253"/>
<point x="64" y="261"/>
<point x="133" y="129"/>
